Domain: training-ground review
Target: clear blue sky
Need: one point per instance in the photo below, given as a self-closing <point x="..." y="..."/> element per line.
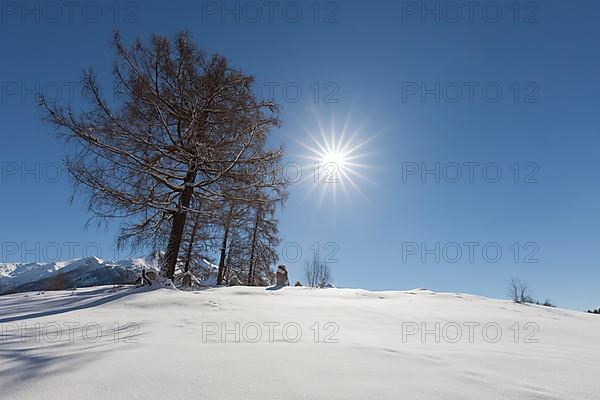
<point x="381" y="62"/>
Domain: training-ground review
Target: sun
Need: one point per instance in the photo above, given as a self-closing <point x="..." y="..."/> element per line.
<point x="335" y="157"/>
<point x="336" y="160"/>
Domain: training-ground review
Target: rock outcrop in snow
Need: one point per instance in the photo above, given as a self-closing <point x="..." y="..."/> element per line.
<point x="282" y="276"/>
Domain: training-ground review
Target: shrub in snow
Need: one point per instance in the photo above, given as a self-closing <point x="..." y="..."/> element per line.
<point x="234" y="281"/>
<point x="317" y="274"/>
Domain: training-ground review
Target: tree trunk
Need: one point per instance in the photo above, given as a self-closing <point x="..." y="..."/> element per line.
<point x="252" y="251"/>
<point x="227" y="272"/>
<point x="187" y="280"/>
<point x="221" y="272"/>
<point x="177" y="227"/>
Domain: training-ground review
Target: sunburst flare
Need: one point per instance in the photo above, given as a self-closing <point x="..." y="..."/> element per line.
<point x="335" y="158"/>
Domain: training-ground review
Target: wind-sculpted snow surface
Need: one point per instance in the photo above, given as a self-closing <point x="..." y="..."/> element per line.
<point x="291" y="343"/>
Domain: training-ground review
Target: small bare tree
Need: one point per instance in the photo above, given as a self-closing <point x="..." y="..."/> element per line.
<point x="519" y="291"/>
<point x="317" y="274"/>
<point x="263" y="244"/>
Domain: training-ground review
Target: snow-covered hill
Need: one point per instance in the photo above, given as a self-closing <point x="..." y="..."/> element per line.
<point x="292" y="343"/>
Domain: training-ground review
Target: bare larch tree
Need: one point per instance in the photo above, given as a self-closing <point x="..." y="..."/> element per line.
<point x="182" y="127"/>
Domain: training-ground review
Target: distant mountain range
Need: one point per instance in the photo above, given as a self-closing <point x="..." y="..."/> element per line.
<point x="90" y="271"/>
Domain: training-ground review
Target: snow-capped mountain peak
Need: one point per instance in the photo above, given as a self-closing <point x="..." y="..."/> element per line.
<point x="88" y="271"/>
